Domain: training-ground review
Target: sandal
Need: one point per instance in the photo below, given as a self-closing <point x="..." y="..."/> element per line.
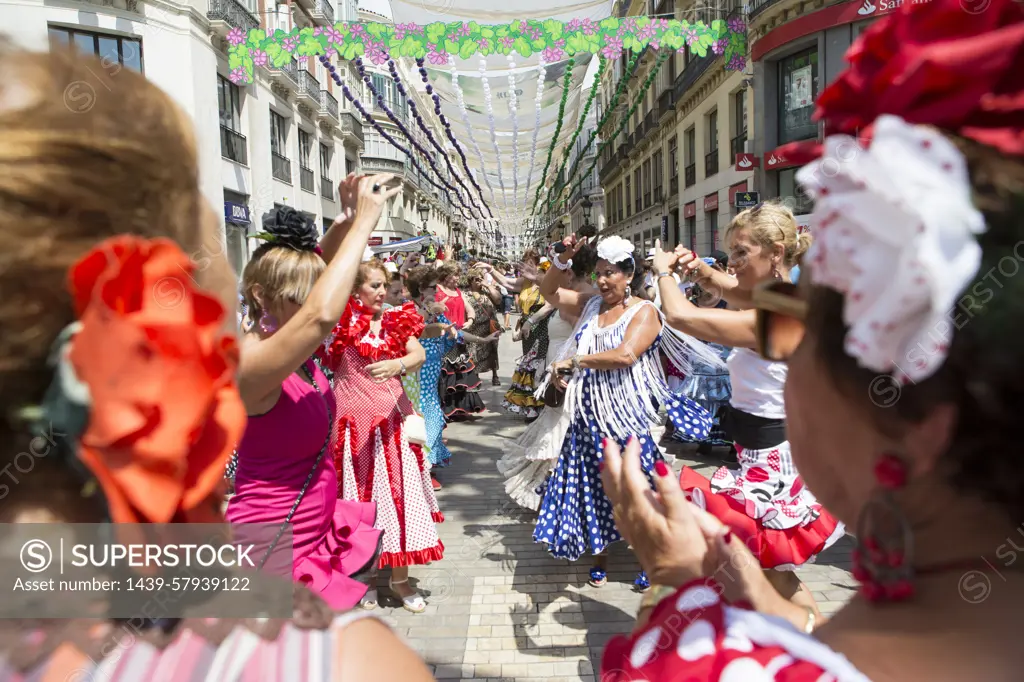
<point x="434" y="483"/>
<point x="598" y="577"/>
<point x="369" y="602"/>
<point x="495" y="381"/>
<point x="413" y="603"/>
<point x="642" y="584"/>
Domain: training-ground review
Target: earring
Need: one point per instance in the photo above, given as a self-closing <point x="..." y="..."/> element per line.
<point x="775" y="271"/>
<point x="268" y="323"/>
<point x="882" y="560"/>
<point x="629" y="292"/>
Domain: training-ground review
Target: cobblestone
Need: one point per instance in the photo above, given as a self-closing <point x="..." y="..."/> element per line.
<point x="499" y="607"/>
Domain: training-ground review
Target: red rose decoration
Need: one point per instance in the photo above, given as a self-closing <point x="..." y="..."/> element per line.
<point x="757" y="475"/>
<point x="934" y="64"/>
<point x="165" y="413"/>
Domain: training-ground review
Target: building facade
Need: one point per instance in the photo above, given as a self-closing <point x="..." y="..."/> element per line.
<point x="285" y="140"/>
<point x="797" y="48"/>
<point x="674" y="173"/>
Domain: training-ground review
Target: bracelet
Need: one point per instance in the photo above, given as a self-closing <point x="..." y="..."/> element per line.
<point x="558" y="264"/>
<point x="654" y="596"/>
<point x="576" y="363"/>
<point x="402" y="363"/>
<point x="811" y="618"/>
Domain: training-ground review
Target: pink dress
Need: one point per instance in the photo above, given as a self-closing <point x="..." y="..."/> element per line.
<point x="333" y="539"/>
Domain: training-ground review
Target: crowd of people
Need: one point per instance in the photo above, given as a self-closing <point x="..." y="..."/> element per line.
<point x="324" y="405"/>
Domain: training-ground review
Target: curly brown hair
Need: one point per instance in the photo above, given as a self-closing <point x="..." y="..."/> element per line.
<point x="420" y="278"/>
<point x="982" y="375"/>
<point x="122" y="161"/>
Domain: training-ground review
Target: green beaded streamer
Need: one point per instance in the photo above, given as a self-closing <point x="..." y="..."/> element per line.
<point x="566" y="81"/>
<point x="602" y="62"/>
<point x="625" y="119"/>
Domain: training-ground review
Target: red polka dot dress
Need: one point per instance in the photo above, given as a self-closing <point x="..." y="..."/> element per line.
<point x="374" y="459"/>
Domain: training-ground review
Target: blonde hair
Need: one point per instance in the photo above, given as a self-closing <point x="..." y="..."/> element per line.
<point x="87" y="151"/>
<point x="282" y="273"/>
<point x="772" y="223"/>
<point x="366" y="268"/>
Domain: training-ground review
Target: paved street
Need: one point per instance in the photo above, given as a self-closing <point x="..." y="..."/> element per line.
<point x="500" y="608"/>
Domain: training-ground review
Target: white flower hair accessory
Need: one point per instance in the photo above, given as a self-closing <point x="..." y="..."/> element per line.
<point x="895" y="233"/>
<point x="367" y="254"/>
<point x="615" y="249"/>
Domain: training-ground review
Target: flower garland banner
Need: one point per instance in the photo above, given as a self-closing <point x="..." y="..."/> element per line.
<point x="434" y="42"/>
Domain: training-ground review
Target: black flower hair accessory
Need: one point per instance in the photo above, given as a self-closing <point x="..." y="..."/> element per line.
<point x="291" y="228"/>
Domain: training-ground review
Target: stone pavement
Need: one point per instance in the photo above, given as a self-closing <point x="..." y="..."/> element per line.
<point x="499" y="607"/>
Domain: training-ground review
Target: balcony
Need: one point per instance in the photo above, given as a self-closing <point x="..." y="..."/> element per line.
<point x="758" y="6"/>
<point x="352" y="128"/>
<point x="647" y="200"/>
<point x="375" y="164"/>
<point x="711" y="163"/>
<point x="281" y="168"/>
<point x="657" y="195"/>
<point x="673" y="186"/>
<point x="309" y="89"/>
<point x="322" y="12"/>
<point x="663" y="7"/>
<point x="328" y="106"/>
<point x="327" y="188"/>
<point x="694" y="70"/>
<point x="737" y="145"/>
<point x="225" y="15"/>
<point x="649" y="123"/>
<point x="690" y="173"/>
<point x="306" y="179"/>
<point x="287" y="75"/>
<point x="232" y="146"/>
<point x="666" y="103"/>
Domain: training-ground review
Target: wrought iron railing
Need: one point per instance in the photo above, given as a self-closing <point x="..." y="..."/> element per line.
<point x="737" y="145"/>
<point x="232" y="146"/>
<point x="306" y="179"/>
<point x="690" y="174"/>
<point x="327" y="188"/>
<point x="666" y="102"/>
<point x="711" y="163"/>
<point x="290" y="69"/>
<point x="234" y="13"/>
<point x="309" y="85"/>
<point x="329" y="104"/>
<point x="280" y="167"/>
<point x="324" y="9"/>
<point x="673" y="186"/>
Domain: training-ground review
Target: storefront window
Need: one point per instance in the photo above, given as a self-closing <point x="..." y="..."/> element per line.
<point x="791" y="193"/>
<point x="798" y="84"/>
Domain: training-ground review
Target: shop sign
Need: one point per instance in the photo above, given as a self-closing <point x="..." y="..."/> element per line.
<point x="711" y="202"/>
<point x="237" y="214"/>
<point x="690" y="210"/>
<point x="375" y="241"/>
<point x="664" y="229"/>
<point x="747" y="199"/>
<point x="745" y="162"/>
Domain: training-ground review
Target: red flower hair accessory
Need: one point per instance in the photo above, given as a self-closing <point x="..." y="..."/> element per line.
<point x="164" y="414"/>
<point x="933" y="64"/>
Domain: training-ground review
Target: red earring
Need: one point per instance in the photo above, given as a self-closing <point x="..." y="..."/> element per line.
<point x="882" y="559"/>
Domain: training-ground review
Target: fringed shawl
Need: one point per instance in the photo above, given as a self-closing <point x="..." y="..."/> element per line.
<point x="626" y="401"/>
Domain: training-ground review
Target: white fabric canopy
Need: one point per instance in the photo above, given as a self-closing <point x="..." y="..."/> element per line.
<point x="492" y="170"/>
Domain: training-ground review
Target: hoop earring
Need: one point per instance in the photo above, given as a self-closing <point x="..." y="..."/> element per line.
<point x="882" y="560"/>
<point x="268" y="323"/>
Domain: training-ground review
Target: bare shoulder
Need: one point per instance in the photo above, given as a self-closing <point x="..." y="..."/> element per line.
<point x="370" y="634"/>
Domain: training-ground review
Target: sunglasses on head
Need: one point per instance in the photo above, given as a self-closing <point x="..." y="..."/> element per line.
<point x="780" y="319"/>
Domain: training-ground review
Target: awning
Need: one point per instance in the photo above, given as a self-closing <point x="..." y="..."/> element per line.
<point x="406" y="245"/>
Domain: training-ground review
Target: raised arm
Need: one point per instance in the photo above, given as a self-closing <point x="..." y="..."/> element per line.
<point x="348" y="194"/>
<point x="555" y="285"/>
<point x="265" y="365"/>
<point x="726" y="327"/>
<point x="710" y="279"/>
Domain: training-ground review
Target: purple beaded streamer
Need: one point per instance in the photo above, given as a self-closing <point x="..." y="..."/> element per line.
<point x="430" y="136"/>
<point x="451" y="137"/>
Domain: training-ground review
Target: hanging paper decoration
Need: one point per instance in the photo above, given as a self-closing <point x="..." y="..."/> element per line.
<point x="559" y="184"/>
<point x="494" y="138"/>
<point x="541" y="75"/>
<point x="514" y="110"/>
<point x="558" y="128"/>
<point x="438" y="41"/>
<point x="469" y="126"/>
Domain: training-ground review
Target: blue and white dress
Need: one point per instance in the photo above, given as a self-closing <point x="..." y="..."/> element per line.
<point x="430" y="400"/>
<point x="710" y="387"/>
<point x="575" y="516"/>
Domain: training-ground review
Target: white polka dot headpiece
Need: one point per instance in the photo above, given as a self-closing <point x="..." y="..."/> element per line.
<point x="894" y="232"/>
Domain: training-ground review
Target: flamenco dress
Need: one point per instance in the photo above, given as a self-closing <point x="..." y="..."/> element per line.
<point x="335" y="544"/>
<point x="374" y="459"/>
<point x="531" y="457"/>
<point x="429" y="400"/>
<point x="711" y="388"/>
<point x="520" y="399"/>
<point x="765" y="501"/>
<point x="459" y="384"/>
<point x="575" y="515"/>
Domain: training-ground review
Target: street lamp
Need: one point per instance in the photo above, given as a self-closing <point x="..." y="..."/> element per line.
<point x="424" y="212"/>
<point x="587" y="230"/>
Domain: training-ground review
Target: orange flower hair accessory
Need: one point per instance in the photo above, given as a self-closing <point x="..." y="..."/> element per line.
<point x="164" y="414"/>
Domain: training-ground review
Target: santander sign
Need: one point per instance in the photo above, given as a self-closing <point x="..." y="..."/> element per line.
<point x="871" y="7"/>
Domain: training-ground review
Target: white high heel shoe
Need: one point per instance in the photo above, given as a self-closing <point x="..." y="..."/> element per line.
<point x="413" y="603"/>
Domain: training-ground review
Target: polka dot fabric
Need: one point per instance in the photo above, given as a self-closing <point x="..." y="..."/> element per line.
<point x="693" y="636"/>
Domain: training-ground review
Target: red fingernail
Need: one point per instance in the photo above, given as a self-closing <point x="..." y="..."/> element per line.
<point x="631" y="439"/>
<point x="604" y="443"/>
<point x="727" y="538"/>
<point x="600" y="466"/>
<point x="661" y="468"/>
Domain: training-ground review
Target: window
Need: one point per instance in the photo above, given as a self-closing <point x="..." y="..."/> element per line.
<point x="305" y="148"/>
<point x="712" y="217"/>
<point x="647" y="183"/>
<point x="691" y="146"/>
<point x="114" y="51"/>
<point x="792" y="194"/>
<point x="658" y="170"/>
<point x="278" y="134"/>
<point x="325" y="161"/>
<point x="713" y="131"/>
<point x="627" y="196"/>
<point x="798" y="88"/>
<point x="740" y="113"/>
<point x="691" y="233"/>
<point x="673" y="161"/>
<point x="230" y="103"/>
<point x="637" y="199"/>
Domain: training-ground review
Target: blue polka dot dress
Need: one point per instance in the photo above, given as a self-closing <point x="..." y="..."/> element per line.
<point x="575" y="516"/>
<point x="430" y="400"/>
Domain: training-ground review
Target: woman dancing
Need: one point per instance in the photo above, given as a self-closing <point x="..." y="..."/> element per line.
<point x="284" y="472"/>
<point x="613" y="381"/>
<point x="765" y="501"/>
<point x="532" y="330"/>
<point x="459" y="385"/>
<point x="369" y="350"/>
<point x="531" y="457"/>
<point x="485" y="299"/>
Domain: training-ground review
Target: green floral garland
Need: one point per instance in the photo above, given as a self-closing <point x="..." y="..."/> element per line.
<point x="434" y="42"/>
<point x="566" y="82"/>
<point x="634" y="62"/>
<point x="579" y="129"/>
<point x="625" y="119"/>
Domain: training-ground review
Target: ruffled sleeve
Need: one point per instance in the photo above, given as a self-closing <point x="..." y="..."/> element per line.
<point x="350" y="331"/>
<point x="694" y="636"/>
<point x="399" y="325"/>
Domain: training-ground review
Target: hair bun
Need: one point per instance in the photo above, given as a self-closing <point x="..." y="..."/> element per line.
<point x="290" y="228"/>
